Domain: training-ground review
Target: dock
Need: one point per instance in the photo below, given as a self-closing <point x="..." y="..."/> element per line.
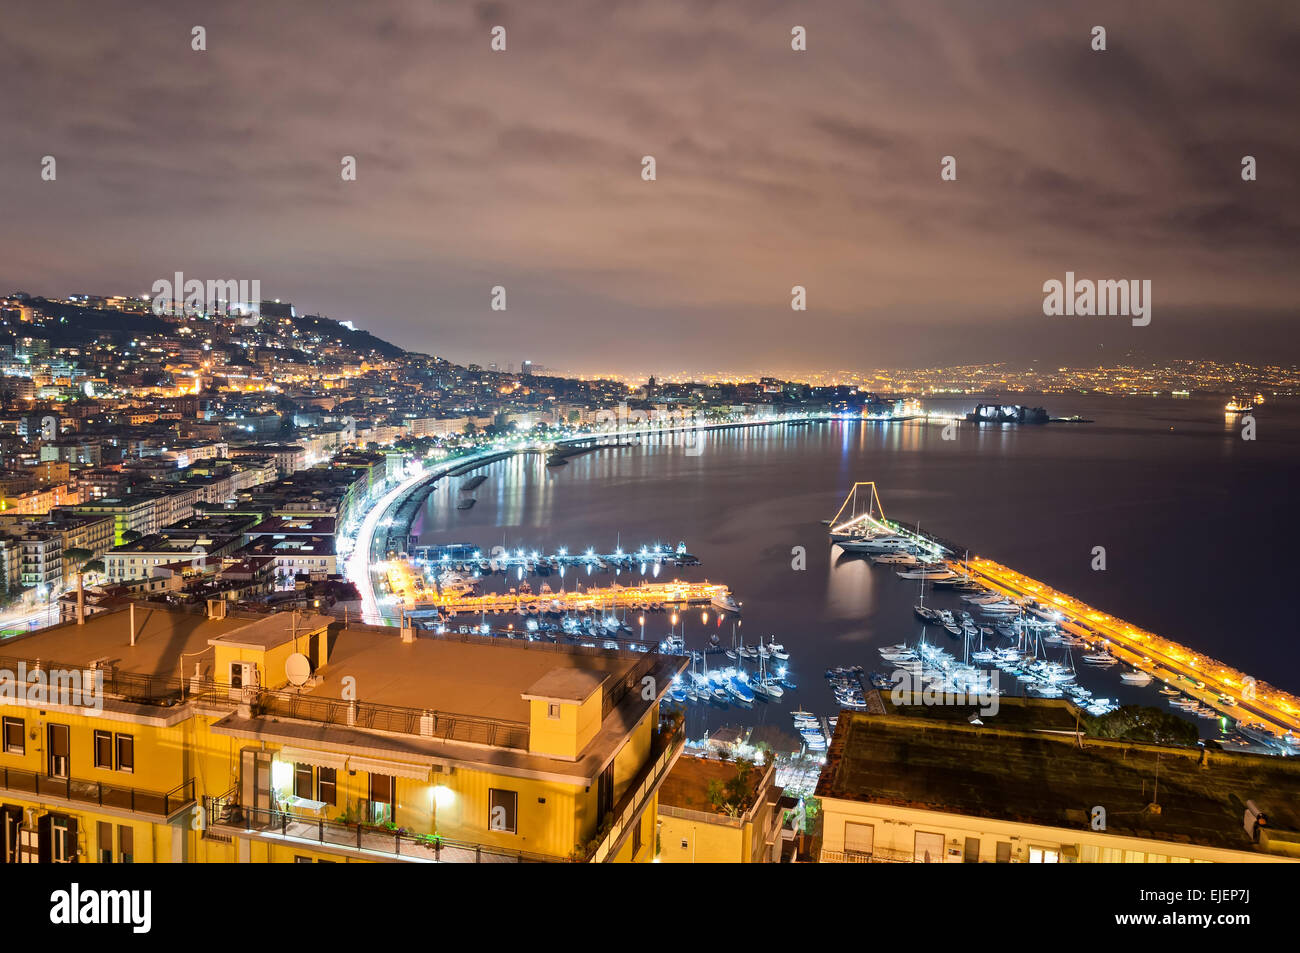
<point x="1165" y="660"/>
<point x="1194" y="674"/>
<point x="647" y="597"/>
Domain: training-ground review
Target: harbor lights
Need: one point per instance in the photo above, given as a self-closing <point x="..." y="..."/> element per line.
<point x="704" y="617"/>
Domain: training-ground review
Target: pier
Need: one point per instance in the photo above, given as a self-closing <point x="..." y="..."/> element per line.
<point x="1192" y="673"/>
<point x="647" y="596"/>
<point x="1208" y="680"/>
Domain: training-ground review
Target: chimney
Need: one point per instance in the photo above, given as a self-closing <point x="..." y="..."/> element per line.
<point x="132" y="622"/>
<point x="81" y="600"/>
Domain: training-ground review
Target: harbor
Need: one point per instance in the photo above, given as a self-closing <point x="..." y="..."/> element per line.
<point x="988" y="629"/>
<point x="1035" y="618"/>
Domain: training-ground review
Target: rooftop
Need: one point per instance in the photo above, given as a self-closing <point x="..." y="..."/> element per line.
<point x="687" y="785"/>
<point x="1044" y="777"/>
<point x="477" y="678"/>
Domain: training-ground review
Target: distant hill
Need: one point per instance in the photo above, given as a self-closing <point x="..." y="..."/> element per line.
<point x="79" y="325"/>
<point x="362" y="342"/>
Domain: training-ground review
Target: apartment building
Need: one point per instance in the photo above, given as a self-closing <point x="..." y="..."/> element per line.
<point x="919" y="788"/>
<point x="696" y="825"/>
<point x="42" y="560"/>
<point x="143" y="512"/>
<point x="292" y="738"/>
<point x="201" y="551"/>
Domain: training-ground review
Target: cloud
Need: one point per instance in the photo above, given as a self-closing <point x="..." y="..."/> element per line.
<point x="775" y="168"/>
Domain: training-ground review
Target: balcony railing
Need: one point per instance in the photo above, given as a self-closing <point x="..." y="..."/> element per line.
<point x="226" y="816"/>
<point x="881" y="856"/>
<point x="167" y="691"/>
<point x="159" y="804"/>
<point x="633" y="801"/>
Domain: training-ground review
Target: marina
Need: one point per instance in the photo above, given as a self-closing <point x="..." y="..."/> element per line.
<point x="1000" y="623"/>
<point x="1036" y="617"/>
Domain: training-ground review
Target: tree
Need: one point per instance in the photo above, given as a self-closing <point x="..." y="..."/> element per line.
<point x="735" y="796"/>
<point x="130" y="536"/>
<point x="75" y="556"/>
<point x="1140" y="723"/>
<point x="95" y="565"/>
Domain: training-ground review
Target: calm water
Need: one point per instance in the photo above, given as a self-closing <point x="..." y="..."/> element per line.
<point x="1197" y="525"/>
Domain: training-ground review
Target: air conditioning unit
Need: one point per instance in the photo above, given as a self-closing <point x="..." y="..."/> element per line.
<point x="244" y="680"/>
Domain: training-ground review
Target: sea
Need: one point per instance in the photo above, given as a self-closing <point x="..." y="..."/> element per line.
<point x="1195" y="522"/>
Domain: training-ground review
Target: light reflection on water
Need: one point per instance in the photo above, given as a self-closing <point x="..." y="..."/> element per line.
<point x="1172" y="494"/>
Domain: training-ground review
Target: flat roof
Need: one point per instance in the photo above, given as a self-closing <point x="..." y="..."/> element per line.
<point x="274" y="630"/>
<point x="1047" y="778"/>
<point x="162" y="637"/>
<point x="488" y="679"/>
<point x="687" y="784"/>
<point x="566" y="684"/>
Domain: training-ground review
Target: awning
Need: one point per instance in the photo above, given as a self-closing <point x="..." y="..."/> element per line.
<point x="397" y="769"/>
<point x="321" y="759"/>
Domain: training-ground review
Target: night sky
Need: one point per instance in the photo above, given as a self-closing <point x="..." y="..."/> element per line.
<point x="775" y="168"/>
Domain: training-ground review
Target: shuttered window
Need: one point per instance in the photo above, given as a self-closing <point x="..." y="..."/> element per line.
<point x="105" y="834"/>
<point x="859" y="838"/>
<point x="125" y="753"/>
<point x="15" y="740"/>
<point x="104" y="749"/>
<point x="58" y="748"/>
<point x="929" y="848"/>
<point x="302" y="781"/>
<point x="502" y="811"/>
<point x="326" y="785"/>
<point x="381" y="799"/>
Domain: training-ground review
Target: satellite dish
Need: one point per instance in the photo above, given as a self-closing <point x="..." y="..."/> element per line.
<point x="297" y="669"/>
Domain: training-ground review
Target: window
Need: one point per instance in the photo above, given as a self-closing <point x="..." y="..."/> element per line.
<point x="104" y="750"/>
<point x="636" y="836"/>
<point x="326" y="785"/>
<point x="302" y="781"/>
<point x="58" y="751"/>
<point x="300" y="859"/>
<point x="105" y="842"/>
<point x="125" y="753"/>
<point x="1004" y="852"/>
<point x="502" y="811"/>
<point x="63" y="842"/>
<point x="1043" y="855"/>
<point x="15" y="740"/>
<point x="928" y="848"/>
<point x="126" y="844"/>
<point x="859" y="839"/>
<point x="971" y="855"/>
<point x="553" y="710"/>
<point x="381" y="798"/>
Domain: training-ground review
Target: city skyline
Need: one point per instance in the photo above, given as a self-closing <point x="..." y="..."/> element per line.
<point x="521" y="169"/>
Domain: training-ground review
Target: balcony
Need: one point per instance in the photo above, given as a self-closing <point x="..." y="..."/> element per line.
<point x="663" y="755"/>
<point x="75" y="791"/>
<point x="225" y="816"/>
<point x="880" y="856"/>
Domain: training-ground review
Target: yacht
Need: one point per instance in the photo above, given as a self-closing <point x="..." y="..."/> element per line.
<point x="1135" y="677"/>
<point x="724" y="601"/>
<point x="876" y="544"/>
<point x="927" y="572"/>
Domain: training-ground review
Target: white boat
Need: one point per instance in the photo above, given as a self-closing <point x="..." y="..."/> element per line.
<point x="724" y="601"/>
<point x="875" y="544"/>
<point x="927" y="572"/>
<point x="1135" y="677"/>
